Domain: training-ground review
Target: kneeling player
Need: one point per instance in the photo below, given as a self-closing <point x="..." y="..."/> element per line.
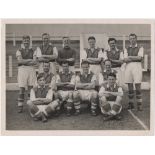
<point x="85" y="85"/>
<point x="110" y="96"/>
<point x="41" y="104"/>
<point x="65" y="83"/>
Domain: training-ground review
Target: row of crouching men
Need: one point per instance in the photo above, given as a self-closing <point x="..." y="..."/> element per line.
<point x="68" y="90"/>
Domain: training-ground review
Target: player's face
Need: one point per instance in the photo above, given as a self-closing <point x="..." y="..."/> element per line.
<point x="112" y="44"/>
<point x="65" y="68"/>
<point x="85" y="68"/>
<point x="46" y="67"/>
<point x="41" y="82"/>
<point x="108" y="65"/>
<point x="26" y="42"/>
<point x="66" y="42"/>
<point x="46" y="39"/>
<point x="111" y="80"/>
<point x="133" y="40"/>
<point x="92" y="43"/>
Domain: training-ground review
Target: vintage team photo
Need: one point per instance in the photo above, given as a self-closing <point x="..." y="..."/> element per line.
<point x="78" y="76"/>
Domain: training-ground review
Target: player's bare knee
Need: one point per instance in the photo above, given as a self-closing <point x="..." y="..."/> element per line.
<point x="29" y="103"/>
<point x="116" y="107"/>
<point x="49" y="110"/>
<point x="106" y="106"/>
<point x="119" y="99"/>
<point x="76" y="95"/>
<point x="70" y="95"/>
<point x="94" y="95"/>
<point x="102" y="99"/>
<point x="55" y="104"/>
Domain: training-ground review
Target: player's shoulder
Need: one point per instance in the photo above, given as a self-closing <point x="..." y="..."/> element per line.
<point x="105" y="85"/>
<point x="140" y="46"/>
<point x="91" y="73"/>
<point x="35" y="88"/>
<point x="51" y="45"/>
<point x="51" y="75"/>
<point x="20" y="49"/>
<point x="47" y="87"/>
<point x="98" y="49"/>
<point x="72" y="73"/>
<point x="60" y="72"/>
<point x="33" y="48"/>
<point x="114" y="71"/>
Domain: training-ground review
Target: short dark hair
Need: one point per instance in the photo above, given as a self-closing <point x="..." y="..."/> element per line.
<point x="112" y="74"/>
<point x="84" y="62"/>
<point x="26" y="37"/>
<point x="112" y="39"/>
<point x="133" y="34"/>
<point x="107" y="60"/>
<point x="91" y="38"/>
<point x="45" y="34"/>
<point x="46" y="63"/>
<point x="65" y="62"/>
<point x="40" y="75"/>
<point x="65" y="37"/>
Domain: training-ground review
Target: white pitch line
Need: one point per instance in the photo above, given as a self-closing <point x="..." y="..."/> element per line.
<point x="138" y="120"/>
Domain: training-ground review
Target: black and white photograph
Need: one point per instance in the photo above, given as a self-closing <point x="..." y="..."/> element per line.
<point x="77" y="76"/>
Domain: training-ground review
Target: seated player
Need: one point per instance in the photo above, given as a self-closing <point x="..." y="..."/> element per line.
<point x="106" y="70"/>
<point x="85" y="89"/>
<point x="65" y="83"/>
<point x="41" y="104"/>
<point x="110" y="97"/>
<point x="26" y="58"/>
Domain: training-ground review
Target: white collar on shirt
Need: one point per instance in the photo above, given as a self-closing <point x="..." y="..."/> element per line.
<point x="40" y="86"/>
<point x="93" y="48"/>
<point x="48" y="44"/>
<point x="88" y="71"/>
<point x="135" y="45"/>
<point x="68" y="72"/>
<point x="109" y="86"/>
<point x="115" y="49"/>
<point x="106" y="70"/>
<point x="22" y="46"/>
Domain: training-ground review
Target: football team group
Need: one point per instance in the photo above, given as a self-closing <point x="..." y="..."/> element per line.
<point x="58" y="87"/>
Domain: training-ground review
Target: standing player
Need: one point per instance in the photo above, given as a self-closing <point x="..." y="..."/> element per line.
<point x="94" y="56"/>
<point x="47" y="53"/>
<point x="67" y="54"/>
<point x="110" y="96"/>
<point x="26" y="72"/>
<point x="116" y="57"/>
<point x="65" y="82"/>
<point x="133" y="57"/>
<point x="41" y="104"/>
<point x="85" y="85"/>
